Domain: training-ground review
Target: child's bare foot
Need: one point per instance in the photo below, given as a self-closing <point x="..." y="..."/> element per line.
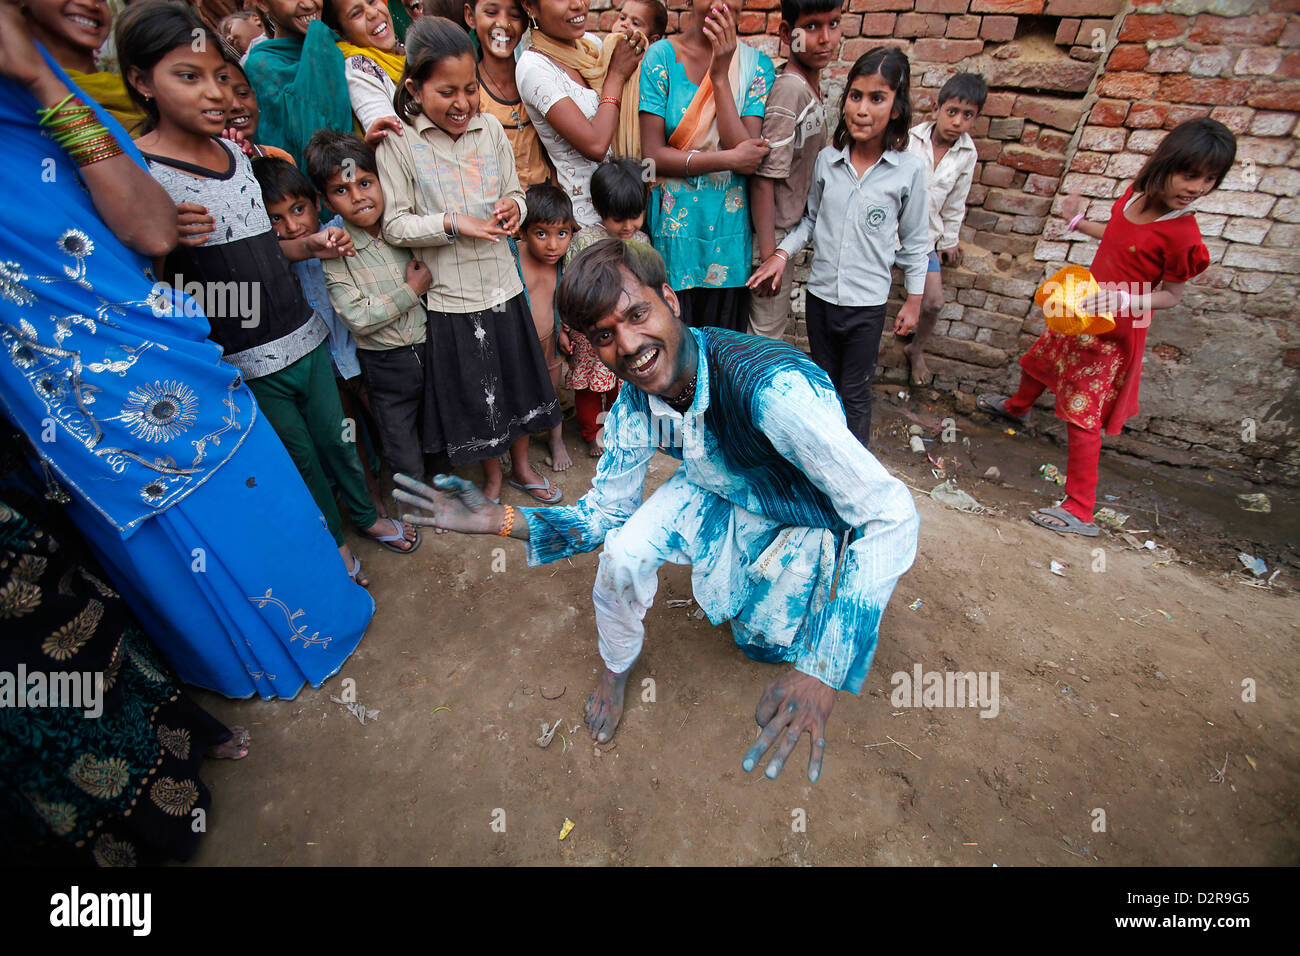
<point x="594" y="448"/>
<point x="558" y="459"/>
<point x="921" y="374"/>
<point x="605" y="705"/>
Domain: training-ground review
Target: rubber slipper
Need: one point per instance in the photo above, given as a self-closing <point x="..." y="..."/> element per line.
<point x="356" y="572"/>
<point x="386" y="540"/>
<point x="1072" y="524"/>
<point x="550" y="494"/>
<point x="997" y="405"/>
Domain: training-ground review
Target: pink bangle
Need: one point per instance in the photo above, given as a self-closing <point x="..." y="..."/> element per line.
<point x="1074" y="223"/>
<point x="1125" y="300"/>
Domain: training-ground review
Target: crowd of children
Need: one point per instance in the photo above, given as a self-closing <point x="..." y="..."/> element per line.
<point x="403" y="199"/>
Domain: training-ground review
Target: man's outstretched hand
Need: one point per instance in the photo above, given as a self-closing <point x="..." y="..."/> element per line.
<point x="452" y="503"/>
<point x="790" y="707"/>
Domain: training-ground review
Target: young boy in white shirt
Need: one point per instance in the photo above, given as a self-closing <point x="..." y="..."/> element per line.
<point x="945" y="146"/>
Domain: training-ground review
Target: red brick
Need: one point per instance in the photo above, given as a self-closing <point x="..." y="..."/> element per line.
<point x="1128" y="86"/>
<point x="1181" y="113"/>
<point x="1236" y="118"/>
<point x="999" y="29"/>
<point x="1016" y="203"/>
<point x="1291" y="35"/>
<point x="751" y="21"/>
<point x="1083" y="8"/>
<point x="1031" y="160"/>
<point x="1007" y="6"/>
<point x="1170" y="59"/>
<point x="878" y="24"/>
<point x="1255" y="31"/>
<point x="995" y="174"/>
<point x="1108" y="113"/>
<point x="1274" y="96"/>
<point x="1088" y="162"/>
<point x="999" y="104"/>
<point x="942" y="6"/>
<point x="1049" y="111"/>
<point x="851" y="23"/>
<point x="1260" y="61"/>
<point x="987" y="149"/>
<point x="1037" y="185"/>
<point x="911" y="25"/>
<point x="1291" y="66"/>
<point x="1128" y="56"/>
<point x="1140" y="27"/>
<point x="963" y="28"/>
<point x="762" y="4"/>
<point x="875" y="6"/>
<point x="1067" y="30"/>
<point x="1053" y="141"/>
<point x="932" y="50"/>
<point x="1147" y="115"/>
<point x="1190" y="89"/>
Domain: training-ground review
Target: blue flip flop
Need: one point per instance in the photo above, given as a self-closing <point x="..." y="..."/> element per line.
<point x="550" y="493"/>
<point x="388" y="539"/>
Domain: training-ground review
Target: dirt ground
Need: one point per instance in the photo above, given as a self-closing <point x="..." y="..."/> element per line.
<point x="1120" y="685"/>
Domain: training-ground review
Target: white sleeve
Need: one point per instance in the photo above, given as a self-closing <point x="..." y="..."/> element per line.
<point x="370" y="90"/>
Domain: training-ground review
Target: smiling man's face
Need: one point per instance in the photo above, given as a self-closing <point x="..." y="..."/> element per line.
<point x="640" y="339"/>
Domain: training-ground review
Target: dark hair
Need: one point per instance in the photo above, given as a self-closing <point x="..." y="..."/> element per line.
<point x="281" y="180"/>
<point x="429" y="41"/>
<point x="658" y="16"/>
<point x="965" y="86"/>
<point x="891" y="63"/>
<point x="792" y="10"/>
<point x="1198" y="146"/>
<point x="328" y="150"/>
<point x="547" y="203"/>
<point x="592" y="284"/>
<point x="146" y="32"/>
<point x="230" y="19"/>
<point x="330" y="14"/>
<point x="618" y="190"/>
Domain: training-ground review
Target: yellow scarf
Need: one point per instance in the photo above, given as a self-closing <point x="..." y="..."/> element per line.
<point x="109" y="91"/>
<point x="391" y="63"/>
<point x="592" y="61"/>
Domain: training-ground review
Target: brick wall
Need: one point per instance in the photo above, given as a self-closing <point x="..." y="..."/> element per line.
<point x="1081" y="92"/>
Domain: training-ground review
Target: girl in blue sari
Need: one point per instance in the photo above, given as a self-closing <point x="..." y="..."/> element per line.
<point x="188" y="499"/>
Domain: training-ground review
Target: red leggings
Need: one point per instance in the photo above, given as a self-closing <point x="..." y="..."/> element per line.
<point x="589" y="405"/>
<point x="1084" y="453"/>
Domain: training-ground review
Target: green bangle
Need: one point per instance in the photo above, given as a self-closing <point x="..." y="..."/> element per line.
<point x="45" y="115"/>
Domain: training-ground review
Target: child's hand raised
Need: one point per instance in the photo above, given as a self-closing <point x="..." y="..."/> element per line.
<point x="481" y="228"/>
<point x="418" y="276"/>
<point x="330" y="243"/>
<point x="1072" y="205"/>
<point x="240" y="140"/>
<point x="506" y="212"/>
<point x="720" y="27"/>
<point x="563" y="342"/>
<point x="766" y="279"/>
<point x="193" y="223"/>
<point x="380" y="129"/>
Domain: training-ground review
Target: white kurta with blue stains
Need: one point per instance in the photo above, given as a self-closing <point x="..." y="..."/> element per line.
<point x="770" y="486"/>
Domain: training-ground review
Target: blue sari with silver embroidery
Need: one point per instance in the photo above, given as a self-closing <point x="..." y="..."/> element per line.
<point x="191" y="502"/>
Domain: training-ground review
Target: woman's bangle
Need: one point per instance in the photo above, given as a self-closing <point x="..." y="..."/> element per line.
<point x="611" y="99"/>
<point x="507" y="522"/>
<point x="1074" y="223"/>
<point x="688" y="160"/>
<point x="1125" y="300"/>
<point x="785" y="256"/>
<point x="452" y="217"/>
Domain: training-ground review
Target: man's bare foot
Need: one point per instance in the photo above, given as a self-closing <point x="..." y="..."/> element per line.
<point x="921" y="374"/>
<point x="605" y="705"/>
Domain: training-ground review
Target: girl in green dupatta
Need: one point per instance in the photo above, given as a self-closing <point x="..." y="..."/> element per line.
<point x="72" y="35"/>
<point x="297" y="75"/>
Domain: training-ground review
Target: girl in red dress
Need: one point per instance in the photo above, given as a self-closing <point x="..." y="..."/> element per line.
<point x="1150" y="246"/>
